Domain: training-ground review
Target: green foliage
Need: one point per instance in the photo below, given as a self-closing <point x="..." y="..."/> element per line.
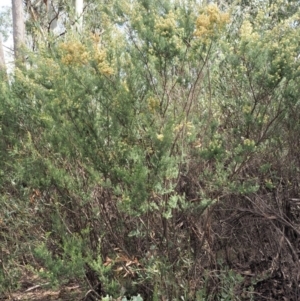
<point x="119" y="150"/>
<point x="229" y="282"/>
<point x="69" y="266"/>
<point x="133" y="298"/>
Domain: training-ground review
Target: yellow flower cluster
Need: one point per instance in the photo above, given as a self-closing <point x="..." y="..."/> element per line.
<point x="102" y="65"/>
<point x="249" y="142"/>
<point x="246" y="31"/>
<point x="52" y="67"/>
<point x="76" y="54"/>
<point x="247" y="109"/>
<point x="99" y="55"/>
<point x="210" y="21"/>
<point x="153" y="104"/>
<point x="188" y="125"/>
<point x="160" y="137"/>
<point x="166" y="25"/>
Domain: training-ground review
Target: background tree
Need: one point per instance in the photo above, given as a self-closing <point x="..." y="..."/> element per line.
<point x="79" y="12"/>
<point x="18" y="27"/>
<point x="2" y="59"/>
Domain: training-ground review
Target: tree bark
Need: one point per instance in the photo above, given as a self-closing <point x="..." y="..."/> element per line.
<point x="2" y="60"/>
<point x="79" y="12"/>
<point x="18" y="27"/>
<point x="52" y="15"/>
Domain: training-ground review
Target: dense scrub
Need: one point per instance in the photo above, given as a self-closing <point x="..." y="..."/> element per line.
<point x="159" y="157"/>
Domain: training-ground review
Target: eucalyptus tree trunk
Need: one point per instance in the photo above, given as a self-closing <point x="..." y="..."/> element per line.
<point x="79" y="12"/>
<point x="52" y="15"/>
<point x="2" y="60"/>
<point x="18" y="27"/>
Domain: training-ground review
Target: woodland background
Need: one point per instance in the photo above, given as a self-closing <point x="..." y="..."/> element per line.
<point x="150" y="149"/>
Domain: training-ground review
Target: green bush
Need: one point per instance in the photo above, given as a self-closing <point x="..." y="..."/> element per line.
<point x="127" y="153"/>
